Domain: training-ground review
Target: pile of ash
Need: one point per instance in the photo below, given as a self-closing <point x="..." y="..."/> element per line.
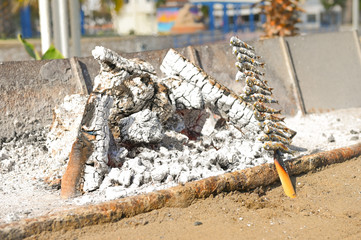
<point x="138" y="132"/>
<point x="176" y="159"/>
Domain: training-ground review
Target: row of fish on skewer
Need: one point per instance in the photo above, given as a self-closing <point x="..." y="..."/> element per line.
<point x="274" y="135"/>
<point x="258" y="95"/>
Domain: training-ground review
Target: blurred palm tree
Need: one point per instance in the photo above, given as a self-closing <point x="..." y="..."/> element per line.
<point x="281" y="17"/>
<point x="19" y="4"/>
<point x="109" y="5"/>
<point x="117" y="4"/>
<point x="7" y="29"/>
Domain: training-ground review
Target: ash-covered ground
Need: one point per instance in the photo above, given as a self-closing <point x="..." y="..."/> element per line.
<point x="32" y="164"/>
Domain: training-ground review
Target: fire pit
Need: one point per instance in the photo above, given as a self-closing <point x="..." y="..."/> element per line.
<point x="169" y="141"/>
<point x="140" y="132"/>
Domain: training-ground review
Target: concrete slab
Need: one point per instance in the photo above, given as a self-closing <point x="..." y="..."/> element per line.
<point x="218" y="61"/>
<point x="278" y="73"/>
<point x="29" y="91"/>
<point x="328" y="68"/>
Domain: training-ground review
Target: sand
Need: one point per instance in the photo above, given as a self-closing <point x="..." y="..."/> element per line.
<point x="328" y="206"/>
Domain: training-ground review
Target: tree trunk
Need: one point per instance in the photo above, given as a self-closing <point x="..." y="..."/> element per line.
<point x="347" y="12"/>
<point x="7" y="27"/>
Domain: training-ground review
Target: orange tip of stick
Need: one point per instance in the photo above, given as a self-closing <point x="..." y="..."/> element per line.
<point x="285" y="180"/>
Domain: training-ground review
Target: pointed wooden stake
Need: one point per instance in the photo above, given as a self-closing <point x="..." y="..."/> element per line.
<point x="283" y="175"/>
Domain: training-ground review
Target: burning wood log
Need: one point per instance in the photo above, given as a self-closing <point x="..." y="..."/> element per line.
<point x="122" y="88"/>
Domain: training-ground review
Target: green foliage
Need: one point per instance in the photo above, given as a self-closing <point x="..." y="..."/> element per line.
<point x="29" y="48"/>
<point x="205" y="11"/>
<point x="328" y="4"/>
<point x="19" y="4"/>
<point x="160" y="2"/>
<point x="117" y="4"/>
<point x="51" y="53"/>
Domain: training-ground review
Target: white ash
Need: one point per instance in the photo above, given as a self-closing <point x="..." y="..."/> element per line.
<point x="219" y="99"/>
<point x="92" y="178"/>
<point x="64" y="129"/>
<point x="186" y="95"/>
<point x="24" y="194"/>
<point x="99" y="125"/>
<point x="105" y="55"/>
<point x="140" y="127"/>
<point x="150" y="152"/>
<point x="32" y="165"/>
<point x="121" y="90"/>
<point x="123" y="111"/>
<point x="171" y="160"/>
<point x="313" y="130"/>
<point x="6" y="164"/>
<point x="24" y="169"/>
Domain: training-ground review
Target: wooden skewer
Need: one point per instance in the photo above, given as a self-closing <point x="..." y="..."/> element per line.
<point x="283" y="175"/>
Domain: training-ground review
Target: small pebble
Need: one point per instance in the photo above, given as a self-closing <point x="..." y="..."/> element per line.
<point x="331" y="138"/>
<point x="197" y="223"/>
<point x="354" y="138"/>
<point x="353" y="131"/>
<point x="3" y="156"/>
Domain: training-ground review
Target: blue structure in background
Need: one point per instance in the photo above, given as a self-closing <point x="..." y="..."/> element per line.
<point x="231" y="22"/>
<point x="225" y="19"/>
<point x="82" y="29"/>
<point x="263" y="17"/>
<point x="25" y="21"/>
<point x="251" y="20"/>
<point x="235" y="18"/>
<point x="237" y="6"/>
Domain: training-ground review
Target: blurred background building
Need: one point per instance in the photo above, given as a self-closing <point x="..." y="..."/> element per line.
<point x="319" y="15"/>
<point x="167" y="16"/>
<point x="187" y="21"/>
<point x="136" y="17"/>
